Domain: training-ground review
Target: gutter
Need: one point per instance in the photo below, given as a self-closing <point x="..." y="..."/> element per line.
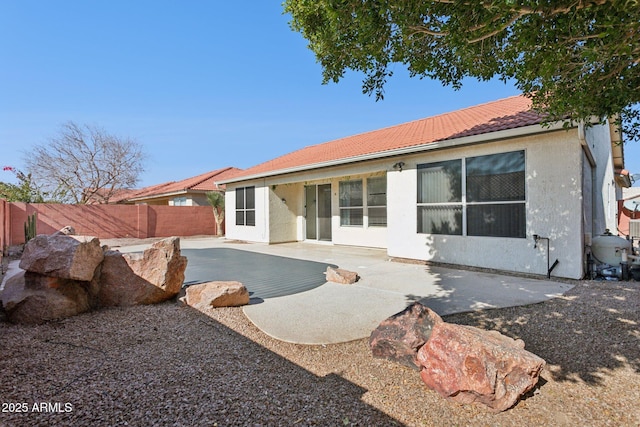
<point x="449" y="143"/>
<point x="170" y="194"/>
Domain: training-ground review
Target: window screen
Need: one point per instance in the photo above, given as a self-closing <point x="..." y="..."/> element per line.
<point x="490" y="203"/>
<point x="377" y="201"/>
<point x="351" y="208"/>
<point x="440" y="197"/>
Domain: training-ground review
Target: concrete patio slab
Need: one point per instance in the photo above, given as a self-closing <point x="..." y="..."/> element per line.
<point x="333" y="313"/>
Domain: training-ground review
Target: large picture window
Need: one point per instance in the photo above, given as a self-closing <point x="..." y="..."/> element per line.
<point x="475" y="196"/>
<point x="246" y="206"/>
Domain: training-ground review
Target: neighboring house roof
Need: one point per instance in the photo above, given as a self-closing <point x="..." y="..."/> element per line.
<point x="630" y="193"/>
<point x="101" y="195"/>
<point x="201" y="183"/>
<point x="504" y="114"/>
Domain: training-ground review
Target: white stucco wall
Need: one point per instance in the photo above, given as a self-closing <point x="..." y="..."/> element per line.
<point x="553" y="208"/>
<point x="287" y="221"/>
<point x="285" y="204"/>
<point x="588" y="176"/>
<point x="365" y="235"/>
<point x="605" y="201"/>
<point x="555" y="177"/>
<point x="257" y="233"/>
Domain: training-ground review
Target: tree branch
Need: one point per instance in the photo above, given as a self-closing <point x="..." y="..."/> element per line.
<point x="498" y="30"/>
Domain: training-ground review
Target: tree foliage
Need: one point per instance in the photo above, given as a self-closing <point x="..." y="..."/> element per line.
<point x="85" y="164"/>
<point x="576" y="59"/>
<point x="24" y="191"/>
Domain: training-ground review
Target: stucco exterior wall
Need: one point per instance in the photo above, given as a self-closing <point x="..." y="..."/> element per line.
<point x="556" y="176"/>
<point x="588" y="177"/>
<point x="287" y="219"/>
<point x="365" y="235"/>
<point x="260" y="231"/>
<point x="605" y="201"/>
<point x="553" y="209"/>
<point x="285" y="204"/>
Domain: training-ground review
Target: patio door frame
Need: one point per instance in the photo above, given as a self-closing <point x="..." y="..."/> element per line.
<point x="318" y="212"/>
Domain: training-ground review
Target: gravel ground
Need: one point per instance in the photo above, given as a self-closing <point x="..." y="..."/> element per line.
<point x="171" y="365"/>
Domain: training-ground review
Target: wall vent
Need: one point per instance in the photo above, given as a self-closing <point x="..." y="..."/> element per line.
<point x="634" y="228"/>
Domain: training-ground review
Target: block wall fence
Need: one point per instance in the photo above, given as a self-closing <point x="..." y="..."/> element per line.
<point x="105" y="221"/>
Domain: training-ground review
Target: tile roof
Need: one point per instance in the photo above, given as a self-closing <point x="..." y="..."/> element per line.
<point x="508" y="113"/>
<point x="203" y="182"/>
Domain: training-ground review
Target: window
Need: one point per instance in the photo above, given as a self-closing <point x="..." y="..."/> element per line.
<point x="351" y="208"/>
<point x="440" y="198"/>
<point x="352" y="202"/>
<point x="476" y="196"/>
<point x="377" y="201"/>
<point x="496" y="195"/>
<point x="246" y="206"/>
<point x="180" y="201"/>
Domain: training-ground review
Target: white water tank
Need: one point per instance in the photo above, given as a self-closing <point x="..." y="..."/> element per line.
<point x="607" y="248"/>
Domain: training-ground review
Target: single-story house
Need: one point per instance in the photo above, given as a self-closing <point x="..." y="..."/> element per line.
<point x="187" y="192"/>
<point x="472" y="187"/>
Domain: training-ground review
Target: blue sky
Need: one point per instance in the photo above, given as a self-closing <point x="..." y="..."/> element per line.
<point x="200" y="84"/>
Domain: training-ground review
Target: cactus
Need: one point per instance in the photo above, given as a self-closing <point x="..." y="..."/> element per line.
<point x="30" y="227"/>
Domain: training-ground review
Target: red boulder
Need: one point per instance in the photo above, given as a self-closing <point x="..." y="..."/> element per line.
<point x="468" y="365"/>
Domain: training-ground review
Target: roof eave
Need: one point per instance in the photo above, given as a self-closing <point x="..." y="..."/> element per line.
<point x="172" y="194"/>
<point x="466" y="140"/>
<point x="156" y="196"/>
<point x="617" y="147"/>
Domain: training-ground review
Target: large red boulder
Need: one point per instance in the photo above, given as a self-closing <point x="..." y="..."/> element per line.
<point x="154" y="276"/>
<point x="399" y="337"/>
<point x="467" y="365"/>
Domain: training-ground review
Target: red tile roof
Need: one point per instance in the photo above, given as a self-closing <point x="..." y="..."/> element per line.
<point x="508" y="113"/>
<point x="203" y="182"/>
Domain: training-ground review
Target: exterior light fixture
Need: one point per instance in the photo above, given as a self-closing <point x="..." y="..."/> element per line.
<point x="398" y="166"/>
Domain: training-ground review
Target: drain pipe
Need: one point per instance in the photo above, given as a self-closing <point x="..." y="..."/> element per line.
<point x="536" y="239"/>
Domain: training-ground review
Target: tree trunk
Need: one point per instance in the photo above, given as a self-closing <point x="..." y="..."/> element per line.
<point x="219" y="217"/>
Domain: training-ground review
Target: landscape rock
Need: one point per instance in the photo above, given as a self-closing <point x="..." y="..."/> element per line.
<point x="154" y="276"/>
<point x="399" y="337"/>
<point x="63" y="256"/>
<point x="217" y="294"/>
<point x="468" y="365"/>
<point x="32" y="298"/>
<point x="339" y="275"/>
